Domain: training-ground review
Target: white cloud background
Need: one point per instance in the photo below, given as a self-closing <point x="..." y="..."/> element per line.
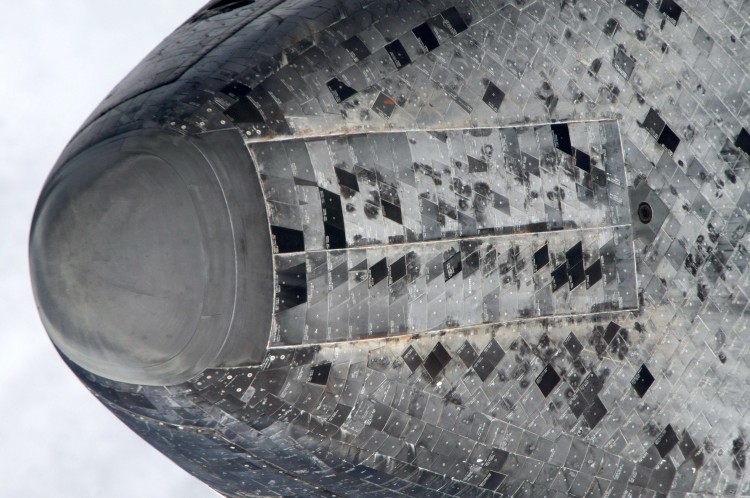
<point x="58" y="60"/>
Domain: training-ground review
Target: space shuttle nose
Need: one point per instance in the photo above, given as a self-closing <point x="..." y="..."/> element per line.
<point x="133" y="260"/>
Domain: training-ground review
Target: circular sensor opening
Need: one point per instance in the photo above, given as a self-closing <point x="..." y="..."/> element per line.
<point x="644" y="212"/>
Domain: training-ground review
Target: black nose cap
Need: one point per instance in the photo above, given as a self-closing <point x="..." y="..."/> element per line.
<point x="133" y="260"/>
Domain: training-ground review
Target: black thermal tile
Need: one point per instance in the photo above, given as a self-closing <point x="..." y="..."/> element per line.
<point x="541" y="258"/>
<point x="426" y="37"/>
<point x="477" y="165"/>
<point x="398" y="54"/>
<point x="561" y="137"/>
<point x="384" y="106"/>
<point x="559" y="276"/>
<point x="578" y="403"/>
<point x="493" y="96"/>
<point x="290" y="296"/>
<point x="743" y="141"/>
<point x="483" y="367"/>
<point x="574" y="255"/>
<point x="357" y="50"/>
<point x="335" y="236"/>
<point x="594" y="273"/>
<point x="547" y="380"/>
<point x="493" y="353"/>
<point x="594" y="413"/>
<point x="441" y="354"/>
<point x="452" y="266"/>
<point x="573" y="345"/>
<point x="244" y="111"/>
<point x="319" y="373"/>
<point x="642" y="381"/>
<point x="610" y="27"/>
<point x="347" y="179"/>
<point x="470" y="264"/>
<point x="496" y="459"/>
<point x="398" y="269"/>
<point x="666" y="441"/>
<point x="340" y="90"/>
<point x="583" y="160"/>
<point x="493" y="480"/>
<point x="331" y="205"/>
<point x="456" y="24"/>
<point x="591" y="386"/>
<point x="287" y="239"/>
<point x="687" y="446"/>
<point x="392" y="212"/>
<point x="380" y="416"/>
<point x="623" y="63"/>
<point x="292" y="284"/>
<point x="235" y="90"/>
<point x="670" y="9"/>
<point x="433" y="365"/>
<point x="378" y="272"/>
<point x="467" y="353"/>
<point x="339" y="415"/>
<point x="611" y="331"/>
<point x="576" y="275"/>
<point x="669" y="139"/>
<point x="411" y="358"/>
<point x="638" y="6"/>
<point x="653" y="123"/>
<point x="333" y="220"/>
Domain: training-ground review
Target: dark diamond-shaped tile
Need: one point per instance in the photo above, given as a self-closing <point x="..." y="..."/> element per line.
<point x="623" y="63"/>
<point x="591" y="386"/>
<point x="743" y="141"/>
<point x="610" y="332"/>
<point x="493" y="96"/>
<point x="319" y="373"/>
<point x="496" y="459"/>
<point x="687" y="446"/>
<point x="493" y="480"/>
<point x="340" y="90"/>
<point x="384" y="106"/>
<point x="574" y="255"/>
<point x="541" y="258"/>
<point x="573" y="345"/>
<point x="561" y="137"/>
<point x="380" y="416"/>
<point x="347" y="179"/>
<point x="411" y="358"/>
<point x="583" y="160"/>
<point x="392" y="212"/>
<point x="594" y="413"/>
<point x="287" y="240"/>
<point x="642" y="381"/>
<point x="576" y="275"/>
<point x="559" y="276"/>
<point x="638" y="6"/>
<point x="398" y="269"/>
<point x="452" y="266"/>
<point x="378" y="272"/>
<point x="477" y="165"/>
<point x="398" y="54"/>
<point x="653" y="123"/>
<point x="339" y="415"/>
<point x="433" y="365"/>
<point x="578" y="403"/>
<point x="441" y="354"/>
<point x="594" y="273"/>
<point x="426" y="37"/>
<point x="467" y="353"/>
<point x="547" y="380"/>
<point x="669" y="139"/>
<point x="670" y="9"/>
<point x="666" y="441"/>
<point x="356" y="48"/>
<point x="455" y="20"/>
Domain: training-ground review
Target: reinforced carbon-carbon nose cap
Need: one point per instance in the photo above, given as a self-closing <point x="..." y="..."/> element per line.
<point x="133" y="260"/>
